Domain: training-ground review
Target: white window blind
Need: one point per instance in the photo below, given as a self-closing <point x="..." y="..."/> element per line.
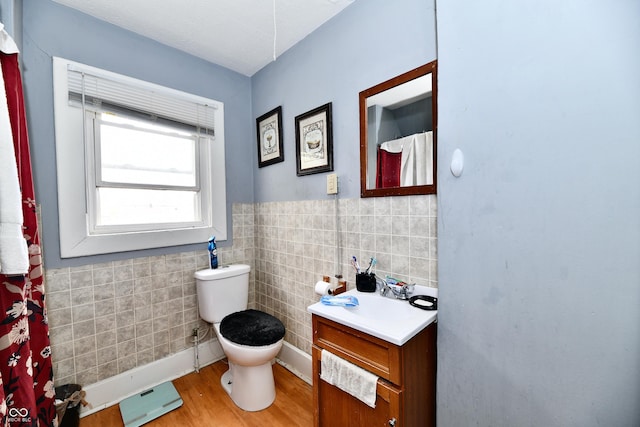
<point x="108" y="92"/>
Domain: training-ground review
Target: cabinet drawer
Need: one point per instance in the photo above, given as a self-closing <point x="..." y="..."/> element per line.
<point x="368" y="352"/>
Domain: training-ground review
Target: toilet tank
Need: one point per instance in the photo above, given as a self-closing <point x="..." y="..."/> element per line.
<point x="222" y="291"/>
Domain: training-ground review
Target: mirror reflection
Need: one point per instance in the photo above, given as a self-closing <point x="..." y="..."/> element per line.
<point x="398" y="141"/>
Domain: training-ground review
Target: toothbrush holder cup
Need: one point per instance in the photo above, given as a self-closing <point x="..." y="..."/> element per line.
<point x="366" y="282"/>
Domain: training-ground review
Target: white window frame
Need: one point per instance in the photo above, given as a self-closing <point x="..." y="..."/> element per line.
<point x="75" y="172"/>
<point x="94" y="180"/>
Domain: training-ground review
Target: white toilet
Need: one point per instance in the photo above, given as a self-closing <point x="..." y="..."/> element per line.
<point x="250" y="339"/>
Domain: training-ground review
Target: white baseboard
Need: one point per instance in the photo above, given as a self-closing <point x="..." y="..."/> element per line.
<point x="111" y="391"/>
<point x="297" y="361"/>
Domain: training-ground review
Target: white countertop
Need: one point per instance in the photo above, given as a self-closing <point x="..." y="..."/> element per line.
<point x="387" y="318"/>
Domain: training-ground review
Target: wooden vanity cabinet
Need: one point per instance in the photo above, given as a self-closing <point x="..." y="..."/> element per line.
<point x="406" y="387"/>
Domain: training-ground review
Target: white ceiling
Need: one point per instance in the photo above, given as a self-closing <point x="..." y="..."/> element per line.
<point x="237" y="34"/>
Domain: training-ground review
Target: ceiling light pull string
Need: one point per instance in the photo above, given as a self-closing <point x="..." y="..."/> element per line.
<point x="275" y="30"/>
<point x="435" y="23"/>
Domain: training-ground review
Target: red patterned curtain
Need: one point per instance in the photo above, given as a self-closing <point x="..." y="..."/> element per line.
<point x="27" y="393"/>
<point x="388" y="169"/>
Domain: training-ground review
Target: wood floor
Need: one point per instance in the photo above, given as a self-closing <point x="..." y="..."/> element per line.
<point x="207" y="404"/>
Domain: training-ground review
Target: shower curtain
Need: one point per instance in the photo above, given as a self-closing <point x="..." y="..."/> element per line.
<point x="26" y="375"/>
<point x="389" y="166"/>
<point x="406" y="161"/>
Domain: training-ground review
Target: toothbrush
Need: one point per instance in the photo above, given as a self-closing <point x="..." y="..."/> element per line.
<point x="354" y="262"/>
<point x="372" y="262"/>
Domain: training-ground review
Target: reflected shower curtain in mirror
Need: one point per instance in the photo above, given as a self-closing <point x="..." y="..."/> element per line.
<point x="389" y="164"/>
<point x="406" y="161"/>
<point x="27" y="393"/>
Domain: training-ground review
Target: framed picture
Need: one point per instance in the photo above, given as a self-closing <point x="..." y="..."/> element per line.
<point x="269" y="129"/>
<point x="314" y="141"/>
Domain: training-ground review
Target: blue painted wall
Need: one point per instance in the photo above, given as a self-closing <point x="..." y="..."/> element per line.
<point x="54" y="30"/>
<point x="11" y="18"/>
<point x="368" y="43"/>
<point x="539" y="239"/>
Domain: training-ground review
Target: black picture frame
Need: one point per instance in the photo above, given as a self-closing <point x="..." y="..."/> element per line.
<point x="314" y="141"/>
<point x="269" y="138"/>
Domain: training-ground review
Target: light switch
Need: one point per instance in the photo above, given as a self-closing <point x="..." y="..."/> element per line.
<point x="332" y="183"/>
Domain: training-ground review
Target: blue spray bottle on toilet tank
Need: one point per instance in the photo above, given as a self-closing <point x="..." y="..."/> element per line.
<point x="213" y="253"/>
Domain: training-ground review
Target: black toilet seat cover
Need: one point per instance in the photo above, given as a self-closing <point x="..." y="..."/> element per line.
<point x="252" y="327"/>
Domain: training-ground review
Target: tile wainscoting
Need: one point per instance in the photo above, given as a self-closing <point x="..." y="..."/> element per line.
<point x="295" y="245"/>
<point x="108" y="318"/>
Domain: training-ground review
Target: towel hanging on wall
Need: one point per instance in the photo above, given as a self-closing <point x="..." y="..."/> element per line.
<point x="14" y="256"/>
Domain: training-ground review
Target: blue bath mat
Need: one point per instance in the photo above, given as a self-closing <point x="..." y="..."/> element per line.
<point x="149" y="405"/>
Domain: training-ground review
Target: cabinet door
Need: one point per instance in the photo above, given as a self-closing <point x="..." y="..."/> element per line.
<point x="387" y="413"/>
<point x="337" y="408"/>
<point x="341" y="409"/>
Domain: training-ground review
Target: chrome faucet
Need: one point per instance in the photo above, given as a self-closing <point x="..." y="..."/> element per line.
<point x="384" y="287"/>
<point x="399" y="292"/>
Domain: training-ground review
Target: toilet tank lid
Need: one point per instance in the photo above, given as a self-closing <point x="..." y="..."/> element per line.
<point x="222" y="272"/>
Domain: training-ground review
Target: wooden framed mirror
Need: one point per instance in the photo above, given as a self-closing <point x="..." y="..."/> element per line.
<point x="398" y="135"/>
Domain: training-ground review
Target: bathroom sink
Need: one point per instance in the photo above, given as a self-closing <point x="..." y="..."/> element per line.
<point x="389" y="319"/>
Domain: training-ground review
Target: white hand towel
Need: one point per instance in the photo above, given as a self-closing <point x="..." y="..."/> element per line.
<point x="348" y="377"/>
<point x="14" y="256"/>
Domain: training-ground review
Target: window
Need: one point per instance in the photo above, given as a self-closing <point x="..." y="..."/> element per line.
<point x="145" y="175"/>
<point x="136" y="163"/>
